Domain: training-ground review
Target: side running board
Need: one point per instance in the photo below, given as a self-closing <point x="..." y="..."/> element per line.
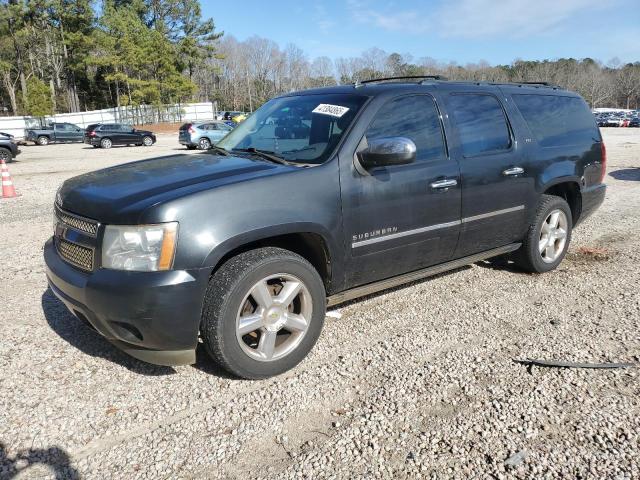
<point x="417" y="275"/>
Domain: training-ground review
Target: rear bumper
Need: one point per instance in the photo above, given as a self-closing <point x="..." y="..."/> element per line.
<point x="152" y="316"/>
<point x="592" y="198"/>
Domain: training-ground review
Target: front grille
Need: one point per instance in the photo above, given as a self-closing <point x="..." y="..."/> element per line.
<point x="85" y="225"/>
<point x="77" y="255"/>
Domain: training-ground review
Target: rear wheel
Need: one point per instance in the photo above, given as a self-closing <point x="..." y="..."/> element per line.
<point x="263" y="312"/>
<point x="106" y="143"/>
<point x="42" y="140"/>
<point x="147" y="141"/>
<point x="204" y="144"/>
<point x="548" y="237"/>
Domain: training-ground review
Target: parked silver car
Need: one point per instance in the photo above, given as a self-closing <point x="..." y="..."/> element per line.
<point x="203" y="134"/>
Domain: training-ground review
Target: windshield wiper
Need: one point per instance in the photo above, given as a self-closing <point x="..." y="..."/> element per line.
<point x="264" y="154"/>
<point x="219" y="150"/>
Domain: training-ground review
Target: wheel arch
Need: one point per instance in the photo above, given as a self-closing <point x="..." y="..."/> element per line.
<point x="308" y="243"/>
<point x="569" y="190"/>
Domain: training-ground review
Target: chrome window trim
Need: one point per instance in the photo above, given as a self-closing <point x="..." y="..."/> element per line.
<point x="437" y="226"/>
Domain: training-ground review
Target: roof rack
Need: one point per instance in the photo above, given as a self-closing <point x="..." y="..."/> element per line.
<point x="405" y="77"/>
<point x="544" y="84"/>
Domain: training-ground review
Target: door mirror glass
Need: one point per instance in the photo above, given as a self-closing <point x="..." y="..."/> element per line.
<point x="388" y="151"/>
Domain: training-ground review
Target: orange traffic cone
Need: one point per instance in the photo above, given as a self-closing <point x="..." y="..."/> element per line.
<point x="8" y="191"/>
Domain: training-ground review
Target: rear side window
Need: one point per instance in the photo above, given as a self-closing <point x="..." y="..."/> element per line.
<point x="557" y="121"/>
<point x="416" y="118"/>
<point x="481" y="123"/>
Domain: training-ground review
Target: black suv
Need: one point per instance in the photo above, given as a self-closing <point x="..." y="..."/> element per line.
<point x="246" y="244"/>
<point x="105" y="135"/>
<point x="8" y="147"/>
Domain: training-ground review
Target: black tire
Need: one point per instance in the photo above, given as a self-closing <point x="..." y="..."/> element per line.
<point x="43" y="140"/>
<point x="528" y="256"/>
<point x="191" y="147"/>
<point x="228" y="288"/>
<point x="204" y="144"/>
<point x="106" y="143"/>
<point x="5" y="155"/>
<point x="147" y="141"/>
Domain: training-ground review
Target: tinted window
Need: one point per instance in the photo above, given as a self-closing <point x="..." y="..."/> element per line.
<point x="481" y="123"/>
<point x="415" y="118"/>
<point x="557" y="121"/>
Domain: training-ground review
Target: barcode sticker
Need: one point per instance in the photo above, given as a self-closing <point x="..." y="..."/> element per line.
<point x="333" y="110"/>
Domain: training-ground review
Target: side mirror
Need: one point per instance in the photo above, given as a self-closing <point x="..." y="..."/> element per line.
<point x="388" y="151"/>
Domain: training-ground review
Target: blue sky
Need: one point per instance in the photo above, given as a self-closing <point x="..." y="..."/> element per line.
<point x="463" y="31"/>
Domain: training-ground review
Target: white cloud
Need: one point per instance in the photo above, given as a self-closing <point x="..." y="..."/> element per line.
<point x="411" y="21"/>
<point x="477" y="18"/>
<point x="512" y="18"/>
<point x="322" y="19"/>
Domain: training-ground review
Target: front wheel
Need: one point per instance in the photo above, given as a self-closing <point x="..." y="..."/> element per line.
<point x="147" y="141"/>
<point x="548" y="237"/>
<point x="263" y="312"/>
<point x="5" y="155"/>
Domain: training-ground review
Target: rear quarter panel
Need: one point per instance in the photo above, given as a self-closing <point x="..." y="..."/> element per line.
<point x="552" y="165"/>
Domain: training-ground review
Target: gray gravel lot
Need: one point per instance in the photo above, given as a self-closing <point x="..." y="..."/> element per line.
<point x="414" y="382"/>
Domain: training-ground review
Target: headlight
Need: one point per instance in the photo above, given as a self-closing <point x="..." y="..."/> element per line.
<point x="145" y="248"/>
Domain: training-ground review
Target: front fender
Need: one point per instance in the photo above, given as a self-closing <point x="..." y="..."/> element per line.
<point x="256" y="235"/>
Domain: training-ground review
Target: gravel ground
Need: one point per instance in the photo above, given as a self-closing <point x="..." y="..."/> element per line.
<point x="415" y="382"/>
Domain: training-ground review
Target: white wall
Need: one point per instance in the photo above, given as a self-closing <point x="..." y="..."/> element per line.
<point x="130" y="115"/>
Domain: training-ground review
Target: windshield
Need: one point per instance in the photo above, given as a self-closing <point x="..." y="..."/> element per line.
<point x="299" y="129"/>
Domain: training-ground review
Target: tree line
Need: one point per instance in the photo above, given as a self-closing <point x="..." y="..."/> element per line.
<point x="74" y="55"/>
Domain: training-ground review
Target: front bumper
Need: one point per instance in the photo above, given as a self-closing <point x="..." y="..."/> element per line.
<point x="152" y="316"/>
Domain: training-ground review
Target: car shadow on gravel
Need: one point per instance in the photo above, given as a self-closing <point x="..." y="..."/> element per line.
<point x="55" y="458"/>
<point x="628" y="174"/>
<point x="87" y="340"/>
<point x="205" y="364"/>
<point x="500" y="263"/>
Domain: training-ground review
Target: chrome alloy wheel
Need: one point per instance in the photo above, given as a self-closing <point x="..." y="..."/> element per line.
<point x="553" y="236"/>
<point x="274" y="317"/>
<point x="147" y="141"/>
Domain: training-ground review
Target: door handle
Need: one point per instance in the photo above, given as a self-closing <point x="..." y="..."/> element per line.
<point x="446" y="183"/>
<point x="509" y="172"/>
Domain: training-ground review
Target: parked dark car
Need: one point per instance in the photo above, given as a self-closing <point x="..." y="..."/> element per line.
<point x="634" y="122"/>
<point x="105" y="135"/>
<point x="245" y="245"/>
<point x="8" y="148"/>
<point x="56" y="132"/>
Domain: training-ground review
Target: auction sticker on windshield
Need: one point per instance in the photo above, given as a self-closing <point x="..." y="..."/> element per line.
<point x="333" y="110"/>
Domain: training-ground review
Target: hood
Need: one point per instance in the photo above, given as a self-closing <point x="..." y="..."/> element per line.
<point x="120" y="194"/>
